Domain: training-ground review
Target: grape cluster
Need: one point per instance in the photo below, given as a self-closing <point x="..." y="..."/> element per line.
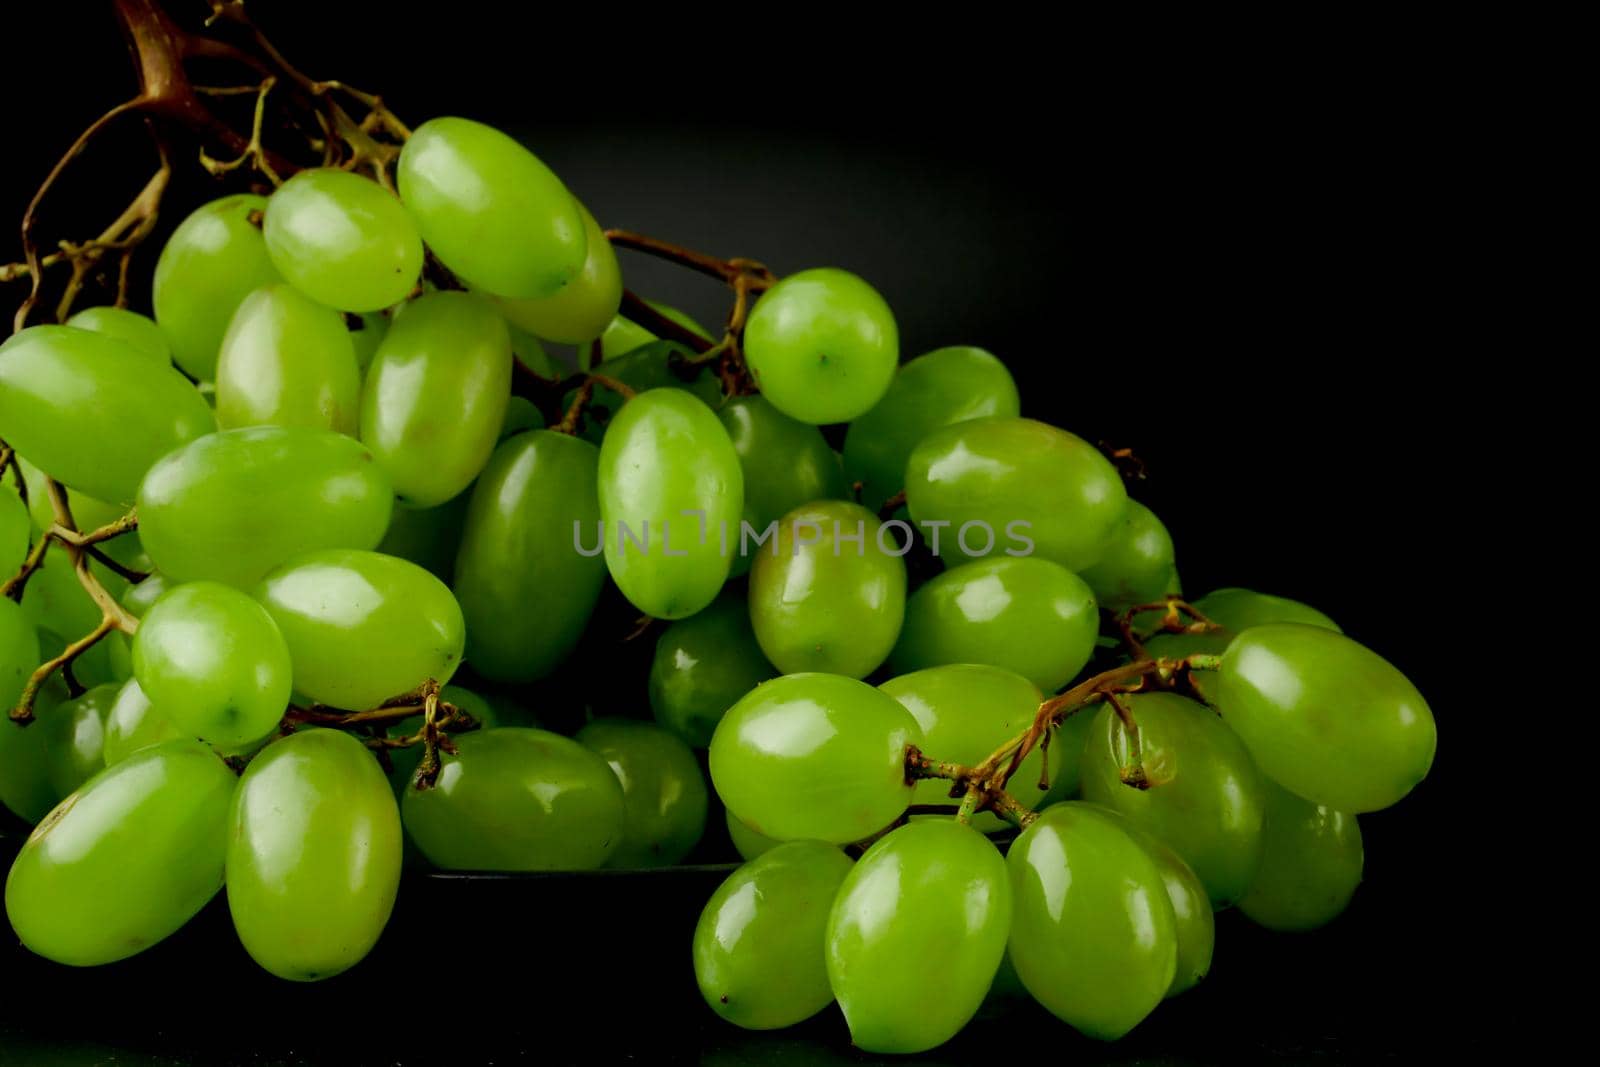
<point x="256" y="537"/>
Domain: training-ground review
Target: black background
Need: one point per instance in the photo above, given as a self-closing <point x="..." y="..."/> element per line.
<point x="1251" y="277"/>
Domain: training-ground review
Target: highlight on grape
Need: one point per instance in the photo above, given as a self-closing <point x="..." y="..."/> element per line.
<point x="894" y="537"/>
<point x="294" y="563"/>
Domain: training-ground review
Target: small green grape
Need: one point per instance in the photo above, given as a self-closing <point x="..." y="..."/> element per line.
<point x="703" y="665"/>
<point x="1311" y="860"/>
<point x="664" y="793"/>
<point x="343" y="240"/>
<point x="139" y="332"/>
<point x="287" y="361"/>
<point x="583" y="308"/>
<point x="133" y="723"/>
<point x="1137" y="566"/>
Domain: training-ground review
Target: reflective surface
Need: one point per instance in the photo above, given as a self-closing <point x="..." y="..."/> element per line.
<point x="663" y="790"/>
<point x="343" y="240"/>
<point x="287" y="361"/>
<point x="703" y="664"/>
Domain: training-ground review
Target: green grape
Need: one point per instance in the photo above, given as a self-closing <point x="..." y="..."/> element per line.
<point x="759" y="948"/>
<point x="313" y="859"/>
<point x="525" y="590"/>
<point x="623" y="335"/>
<point x="966" y="711"/>
<point x="1137" y="566"/>
<point x="287" y="361"/>
<point x="516" y="799"/>
<point x="16" y="530"/>
<point x="126" y="860"/>
<point x="1311" y="859"/>
<point x="822" y="345"/>
<point x="88" y="513"/>
<point x="1204" y="795"/>
<point x="831" y="595"/>
<point x="1240" y="609"/>
<point x="19" y="651"/>
<point x="490" y="210"/>
<point x="61" y="388"/>
<point x="581" y="310"/>
<point x="234" y="505"/>
<point x="1093" y="934"/>
<point x="403" y="761"/>
<point x="1067" y="744"/>
<point x="362" y="627"/>
<point x="916" y="935"/>
<point x="214" y="662"/>
<point x="703" y="665"/>
<point x="521" y="414"/>
<point x="366" y="334"/>
<point x="785" y="463"/>
<point x="435" y="396"/>
<point x="746" y="841"/>
<point x="945" y="386"/>
<point x="1017" y="480"/>
<point x="670" y="493"/>
<point x="528" y="351"/>
<point x="342" y="240"/>
<point x="24" y="768"/>
<point x="1030" y="616"/>
<point x="1191" y="908"/>
<point x="1326" y="718"/>
<point x="75" y="732"/>
<point x="137" y="601"/>
<point x="663" y="792"/>
<point x="133" y="723"/>
<point x="212" y="261"/>
<point x="643" y="369"/>
<point x="63" y="611"/>
<point x="428" y="537"/>
<point x="138" y="332"/>
<point x="814" y="756"/>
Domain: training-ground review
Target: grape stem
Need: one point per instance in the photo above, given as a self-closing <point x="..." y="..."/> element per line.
<point x="439" y="716"/>
<point x="1173" y="610"/>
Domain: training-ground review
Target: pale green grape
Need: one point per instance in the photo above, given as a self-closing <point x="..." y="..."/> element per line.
<point x="213" y="260"/>
<point x="16" y="529"/>
<point x="759" y="945"/>
<point x="1016" y="480"/>
<point x="1138" y="564"/>
<point x="61" y="388"/>
<point x="140" y="333"/>
<point x="746" y="841"/>
<point x="516" y="799"/>
<point x="786" y="463"/>
<point x="362" y="627"/>
<point x="234" y="505"/>
<point x="287" y="361"/>
<point x="664" y="794"/>
<point x="814" y="756"/>
<point x="1093" y="933"/>
<point x="214" y="662"/>
<point x="1196" y="922"/>
<point x="1325" y="717"/>
<point x="19" y="651"/>
<point x="582" y="309"/>
<point x="126" y="860"/>
<point x="623" y="335"/>
<point x="966" y="711"/>
<point x="342" y="240"/>
<point x="490" y="210"/>
<point x="832" y="596"/>
<point x="1311" y="860"/>
<point x="916" y="935"/>
<point x="75" y="732"/>
<point x="435" y="396"/>
<point x="703" y="665"/>
<point x="525" y="591"/>
<point x="822" y="345"/>
<point x="133" y="723"/>
<point x="1205" y="798"/>
<point x="945" y="386"/>
<point x="137" y="601"/>
<point x="313" y="859"/>
<point x="669" y="477"/>
<point x="1030" y="616"/>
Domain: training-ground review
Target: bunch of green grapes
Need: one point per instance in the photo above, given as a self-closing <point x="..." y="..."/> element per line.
<point x="366" y="552"/>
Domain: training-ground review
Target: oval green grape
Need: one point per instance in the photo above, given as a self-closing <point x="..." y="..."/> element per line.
<point x="786" y="463"/>
<point x="428" y="537"/>
<point x="701" y="667"/>
<point x="1196" y="922"/>
<point x="663" y="791"/>
<point x="945" y="386"/>
<point x="19" y="651"/>
<point x="214" y="662"/>
<point x="671" y="490"/>
<point x="133" y="723"/>
<point x="343" y="240"/>
<point x="916" y="935"/>
<point x="287" y="360"/>
<point x="233" y="505"/>
<point x="1018" y="479"/>
<point x="1311" y="861"/>
<point x="154" y="827"/>
<point x="313" y="861"/>
<point x="1239" y="609"/>
<point x="1325" y="717"/>
<point x="1137" y="566"/>
<point x="490" y="210"/>
<point x="435" y="396"/>
<point x="518" y="799"/>
<point x="525" y="589"/>
<point x="814" y="756"/>
<point x="759" y="944"/>
<point x="822" y="345"/>
<point x="137" y="331"/>
<point x="582" y="309"/>
<point x="61" y="387"/>
<point x="1027" y="615"/>
<point x="75" y="734"/>
<point x="136" y="601"/>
